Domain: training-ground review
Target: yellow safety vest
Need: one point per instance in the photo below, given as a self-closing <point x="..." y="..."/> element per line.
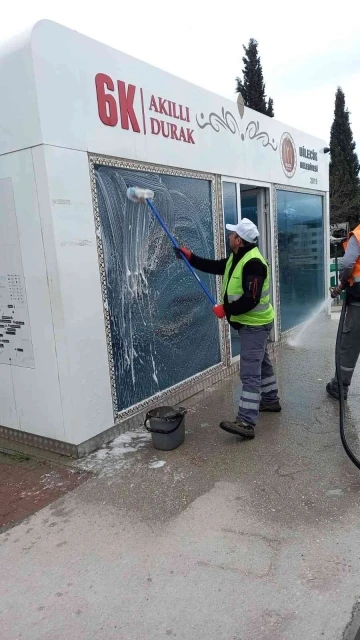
<point x="263" y="313"/>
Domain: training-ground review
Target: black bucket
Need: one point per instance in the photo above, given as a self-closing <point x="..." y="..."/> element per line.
<point x="167" y="427"/>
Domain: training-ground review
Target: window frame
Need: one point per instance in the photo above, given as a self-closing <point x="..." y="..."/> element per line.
<point x="326" y="237"/>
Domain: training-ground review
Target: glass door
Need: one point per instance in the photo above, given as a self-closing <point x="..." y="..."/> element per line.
<point x="232" y="215"/>
<point x="246" y="201"/>
<point x="255" y="205"/>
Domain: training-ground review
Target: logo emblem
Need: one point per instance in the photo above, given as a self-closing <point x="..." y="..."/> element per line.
<point x="288" y="155"/>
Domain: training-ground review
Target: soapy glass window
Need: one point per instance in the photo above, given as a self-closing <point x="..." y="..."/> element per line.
<point x="162" y="327"/>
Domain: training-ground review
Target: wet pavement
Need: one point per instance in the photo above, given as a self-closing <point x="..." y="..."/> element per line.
<point x="221" y="538"/>
<point x="28" y="484"/>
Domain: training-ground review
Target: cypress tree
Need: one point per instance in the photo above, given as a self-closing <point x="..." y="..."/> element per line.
<point x="252" y="85"/>
<point x="270" y="108"/>
<point x="344" y="167"/>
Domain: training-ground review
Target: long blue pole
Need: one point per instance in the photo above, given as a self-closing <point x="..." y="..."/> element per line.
<point x="176" y="245"/>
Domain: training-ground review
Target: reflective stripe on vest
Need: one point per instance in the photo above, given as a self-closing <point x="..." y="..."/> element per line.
<point x="263" y="313"/>
<point x="234" y="298"/>
<point x="355" y="276"/>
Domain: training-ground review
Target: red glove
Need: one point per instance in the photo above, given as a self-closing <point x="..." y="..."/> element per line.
<point x="183" y="250"/>
<point x="219" y="311"/>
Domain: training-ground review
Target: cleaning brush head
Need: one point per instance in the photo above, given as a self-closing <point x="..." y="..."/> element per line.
<point x="135" y="194"/>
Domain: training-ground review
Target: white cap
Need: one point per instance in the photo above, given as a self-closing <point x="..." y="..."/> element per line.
<point x="245" y="229"/>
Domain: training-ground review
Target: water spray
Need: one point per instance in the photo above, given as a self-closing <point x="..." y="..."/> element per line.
<point x="295" y="342"/>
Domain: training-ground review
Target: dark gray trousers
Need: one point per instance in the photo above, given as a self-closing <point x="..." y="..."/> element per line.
<point x="350" y="344"/>
<point x="256" y="372"/>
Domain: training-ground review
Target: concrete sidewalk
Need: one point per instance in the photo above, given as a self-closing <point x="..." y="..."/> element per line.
<point x="221" y="539"/>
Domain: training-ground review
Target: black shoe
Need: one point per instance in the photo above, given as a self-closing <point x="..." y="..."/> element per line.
<point x="272" y="407"/>
<point x="334" y="391"/>
<point x="239" y="428"/>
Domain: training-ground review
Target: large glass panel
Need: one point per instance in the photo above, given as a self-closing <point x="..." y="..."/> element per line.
<point x="230" y="208"/>
<point x="249" y="208"/>
<point x="231" y="217"/>
<point x="301" y="255"/>
<point x="162" y="328"/>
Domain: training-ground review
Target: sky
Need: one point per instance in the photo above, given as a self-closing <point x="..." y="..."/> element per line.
<point x="307" y="48"/>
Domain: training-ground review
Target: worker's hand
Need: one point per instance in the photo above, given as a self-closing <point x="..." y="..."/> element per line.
<point x="219" y="311"/>
<point x="183" y="250"/>
<point x="336" y="291"/>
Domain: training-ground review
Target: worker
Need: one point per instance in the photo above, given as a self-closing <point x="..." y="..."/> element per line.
<point x="246" y="306"/>
<point x="349" y="277"/>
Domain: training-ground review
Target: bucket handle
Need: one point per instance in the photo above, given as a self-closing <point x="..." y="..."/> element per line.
<point x="182" y="412"/>
<point x="151" y="430"/>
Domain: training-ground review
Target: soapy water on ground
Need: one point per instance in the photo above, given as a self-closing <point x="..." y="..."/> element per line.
<point x="299" y="338"/>
<point x="118" y="454"/>
<point x="48" y="481"/>
<point x="157" y="464"/>
<point x="51" y="480"/>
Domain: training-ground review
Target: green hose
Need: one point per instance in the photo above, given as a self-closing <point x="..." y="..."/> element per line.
<point x="345" y="444"/>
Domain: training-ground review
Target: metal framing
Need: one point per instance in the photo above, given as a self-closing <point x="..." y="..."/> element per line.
<point x="281" y="187"/>
<point x="270" y="236"/>
<point x="201" y="379"/>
